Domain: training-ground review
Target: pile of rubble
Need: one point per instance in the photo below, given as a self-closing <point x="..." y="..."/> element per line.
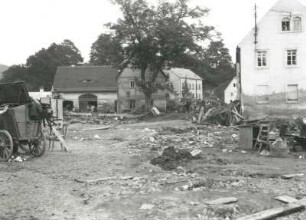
<point x="176" y="146"/>
<point x="224" y="115"/>
<point x="171" y="158"/>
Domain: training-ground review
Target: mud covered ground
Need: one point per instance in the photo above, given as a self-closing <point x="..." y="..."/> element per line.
<point x="107" y="174"/>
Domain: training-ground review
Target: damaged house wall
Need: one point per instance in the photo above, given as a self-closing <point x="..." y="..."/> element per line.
<point x="273" y="70"/>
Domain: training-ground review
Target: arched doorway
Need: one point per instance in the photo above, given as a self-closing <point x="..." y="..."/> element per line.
<point x="87" y="101"/>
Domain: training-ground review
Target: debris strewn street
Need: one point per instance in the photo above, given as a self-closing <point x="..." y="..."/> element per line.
<point x="163" y="169"/>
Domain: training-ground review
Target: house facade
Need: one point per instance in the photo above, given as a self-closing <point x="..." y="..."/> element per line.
<point x="231" y="91"/>
<point x="179" y="76"/>
<point x="130" y="97"/>
<point x="272" y="71"/>
<point x="87" y="88"/>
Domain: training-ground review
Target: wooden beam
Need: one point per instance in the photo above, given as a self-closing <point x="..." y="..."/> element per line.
<point x="222" y="201"/>
<point x="60" y="138"/>
<point x="201" y="114"/>
<point x="274" y="213"/>
<point x="290" y="176"/>
<point x="207" y="114"/>
<point x="286" y="199"/>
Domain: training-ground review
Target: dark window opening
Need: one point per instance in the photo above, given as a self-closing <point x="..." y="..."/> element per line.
<point x="286" y="24"/>
<point x="132" y="103"/>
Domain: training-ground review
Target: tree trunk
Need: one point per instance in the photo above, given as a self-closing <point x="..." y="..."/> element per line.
<point x="148" y="98"/>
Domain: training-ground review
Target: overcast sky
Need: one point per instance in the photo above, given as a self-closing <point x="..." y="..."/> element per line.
<point x="28" y="25"/>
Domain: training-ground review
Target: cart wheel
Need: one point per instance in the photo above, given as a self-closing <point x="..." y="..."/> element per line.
<point x="38" y="147"/>
<point x="6" y="145"/>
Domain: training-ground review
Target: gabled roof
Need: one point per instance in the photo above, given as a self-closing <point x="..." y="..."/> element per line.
<point x="183" y="73"/>
<point x="85" y="79"/>
<point x="286" y="7"/>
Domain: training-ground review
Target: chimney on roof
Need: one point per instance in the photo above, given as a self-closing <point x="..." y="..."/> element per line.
<point x="41" y="89"/>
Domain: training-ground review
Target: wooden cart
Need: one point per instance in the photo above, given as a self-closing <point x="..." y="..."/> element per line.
<point x="20" y="121"/>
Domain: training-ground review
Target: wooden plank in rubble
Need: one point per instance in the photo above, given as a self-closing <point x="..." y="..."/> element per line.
<point x="60" y="138"/>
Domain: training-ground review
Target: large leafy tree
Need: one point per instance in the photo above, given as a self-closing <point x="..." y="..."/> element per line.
<point x="106" y="50"/>
<point x="152" y="36"/>
<point x="40" y="68"/>
<point x="15" y="73"/>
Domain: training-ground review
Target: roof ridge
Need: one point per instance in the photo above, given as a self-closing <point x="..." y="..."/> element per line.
<point x="74" y="66"/>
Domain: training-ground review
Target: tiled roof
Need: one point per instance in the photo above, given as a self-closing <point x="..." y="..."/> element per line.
<point x="183" y="73"/>
<point x="135" y="72"/>
<point x="85" y="79"/>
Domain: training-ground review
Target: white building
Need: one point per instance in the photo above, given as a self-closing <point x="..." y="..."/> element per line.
<point x="231" y="91"/>
<point x="41" y="94"/>
<point x="272" y="63"/>
<point x="178" y="76"/>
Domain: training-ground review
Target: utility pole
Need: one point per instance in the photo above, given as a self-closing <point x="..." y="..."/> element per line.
<point x="256" y="30"/>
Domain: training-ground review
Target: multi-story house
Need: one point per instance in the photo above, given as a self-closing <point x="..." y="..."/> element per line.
<point x="130" y="96"/>
<point x="179" y="76"/>
<point x="271" y="60"/>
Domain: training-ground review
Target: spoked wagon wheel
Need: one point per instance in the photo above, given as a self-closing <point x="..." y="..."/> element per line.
<point x="38" y="146"/>
<point x="6" y="145"/>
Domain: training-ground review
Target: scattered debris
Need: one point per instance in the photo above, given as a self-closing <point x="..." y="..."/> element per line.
<point x="155" y="111"/>
<point x="171" y="158"/>
<point x="19" y="158"/>
<point x="224" y="115"/>
<point x="152" y="139"/>
<point x="222" y="201"/>
<point x="196" y="153"/>
<point x="97" y="137"/>
<point x="264" y="153"/>
<point x="146" y="207"/>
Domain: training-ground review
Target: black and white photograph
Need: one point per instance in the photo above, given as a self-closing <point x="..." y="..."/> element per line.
<point x="152" y="110"/>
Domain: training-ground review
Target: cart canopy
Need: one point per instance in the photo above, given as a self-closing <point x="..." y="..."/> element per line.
<point x="14" y="94"/>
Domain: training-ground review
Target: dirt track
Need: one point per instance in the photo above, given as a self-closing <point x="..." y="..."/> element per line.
<point x="112" y="178"/>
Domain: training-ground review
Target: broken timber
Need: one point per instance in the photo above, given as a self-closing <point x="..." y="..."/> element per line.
<point x="295" y="206"/>
<point x="276" y="212"/>
<point x="290" y="176"/>
<point x="104" y="179"/>
<point x="98" y="128"/>
<point x="286" y="199"/>
<point x="222" y="201"/>
<point x="201" y="114"/>
<point x="60" y="138"/>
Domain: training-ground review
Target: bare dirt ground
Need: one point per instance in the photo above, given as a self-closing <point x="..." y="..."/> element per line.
<point x="107" y="174"/>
